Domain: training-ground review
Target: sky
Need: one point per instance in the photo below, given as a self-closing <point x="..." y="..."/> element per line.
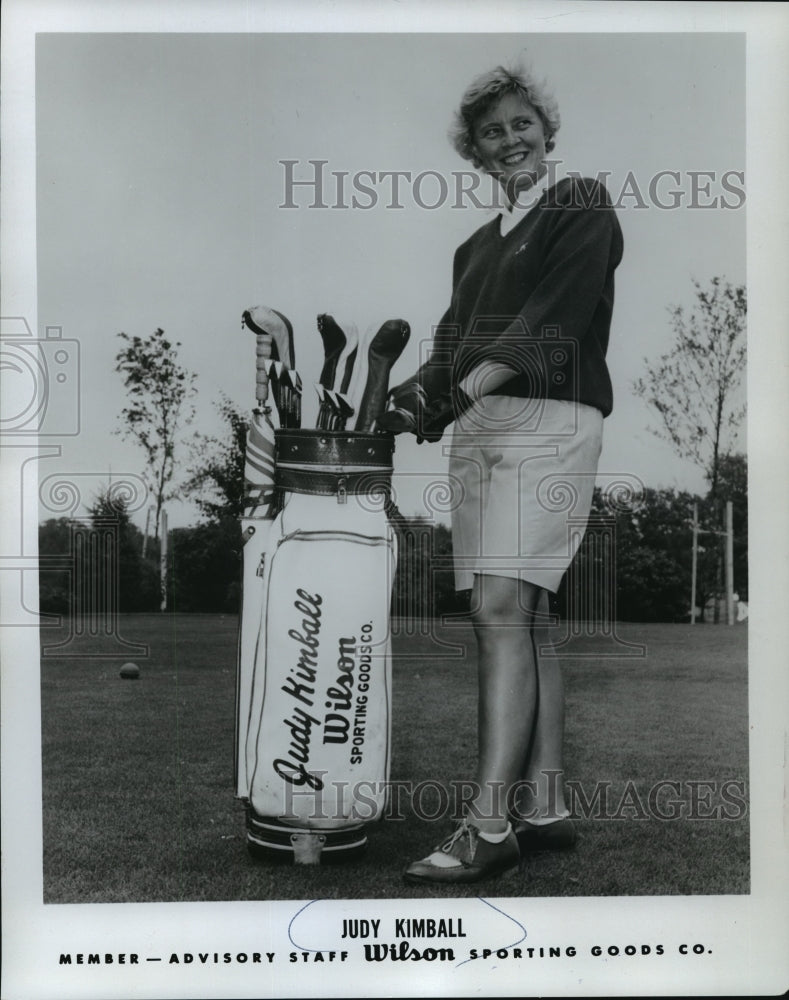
<point x="160" y="189"/>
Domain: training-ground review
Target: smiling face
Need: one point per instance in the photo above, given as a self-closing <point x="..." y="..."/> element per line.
<point x="510" y="141"/>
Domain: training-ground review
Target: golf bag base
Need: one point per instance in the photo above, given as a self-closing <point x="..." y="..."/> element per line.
<point x="270" y="839"/>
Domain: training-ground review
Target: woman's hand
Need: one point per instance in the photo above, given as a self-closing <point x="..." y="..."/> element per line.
<point x="407" y="412"/>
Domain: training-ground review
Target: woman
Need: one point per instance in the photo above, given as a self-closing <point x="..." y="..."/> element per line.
<point x="518" y="362"/>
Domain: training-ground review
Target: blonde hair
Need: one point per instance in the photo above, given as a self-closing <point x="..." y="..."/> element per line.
<point x="486" y="91"/>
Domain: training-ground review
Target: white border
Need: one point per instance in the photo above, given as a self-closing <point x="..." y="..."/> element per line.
<point x="747" y="935"/>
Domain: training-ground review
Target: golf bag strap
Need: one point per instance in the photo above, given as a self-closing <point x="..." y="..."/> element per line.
<point x="334" y="449"/>
<point x="322" y="482"/>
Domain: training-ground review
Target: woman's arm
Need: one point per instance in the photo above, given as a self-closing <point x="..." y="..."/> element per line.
<point x="486" y="378"/>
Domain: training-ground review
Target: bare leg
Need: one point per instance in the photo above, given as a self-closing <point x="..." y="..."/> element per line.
<point x="502" y="614"/>
<point x="542" y="796"/>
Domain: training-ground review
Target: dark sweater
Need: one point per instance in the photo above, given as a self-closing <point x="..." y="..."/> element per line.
<point x="538" y="300"/>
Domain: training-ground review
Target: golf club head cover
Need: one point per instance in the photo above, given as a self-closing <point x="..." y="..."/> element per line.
<point x="262" y="319"/>
<point x="334" y="341"/>
<point x="385" y="348"/>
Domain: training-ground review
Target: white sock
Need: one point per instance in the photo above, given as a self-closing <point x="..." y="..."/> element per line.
<point x="439" y="859"/>
<point x="547" y="820"/>
<point x="495" y="838"/>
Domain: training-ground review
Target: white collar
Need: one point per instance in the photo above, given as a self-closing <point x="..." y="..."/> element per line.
<point x="526" y="200"/>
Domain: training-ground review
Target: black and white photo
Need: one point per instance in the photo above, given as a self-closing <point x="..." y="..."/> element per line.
<point x="393" y="444"/>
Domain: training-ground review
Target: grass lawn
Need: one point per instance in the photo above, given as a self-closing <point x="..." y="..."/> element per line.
<point x="138" y="775"/>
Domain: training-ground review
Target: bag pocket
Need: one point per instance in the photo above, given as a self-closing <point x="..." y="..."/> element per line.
<point x="318" y="745"/>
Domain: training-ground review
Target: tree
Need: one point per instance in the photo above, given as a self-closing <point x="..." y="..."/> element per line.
<point x="653" y="557"/>
<point x="159" y="392"/>
<point x="216" y="480"/>
<point x="694" y="387"/>
<point x="733" y="485"/>
<point x="424" y="585"/>
<point x="54" y="584"/>
<point x="205" y="567"/>
<point x="136" y="579"/>
<point x="652" y="541"/>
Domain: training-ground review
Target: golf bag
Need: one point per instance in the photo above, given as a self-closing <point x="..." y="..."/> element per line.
<point x="314" y="665"/>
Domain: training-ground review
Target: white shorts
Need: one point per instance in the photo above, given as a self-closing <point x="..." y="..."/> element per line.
<point x="524" y="471"/>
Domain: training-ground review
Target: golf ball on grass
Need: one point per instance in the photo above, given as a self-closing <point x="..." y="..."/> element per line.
<point x="130" y="672"/>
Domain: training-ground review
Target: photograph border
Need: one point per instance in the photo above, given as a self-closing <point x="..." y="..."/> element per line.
<point x="743" y="937"/>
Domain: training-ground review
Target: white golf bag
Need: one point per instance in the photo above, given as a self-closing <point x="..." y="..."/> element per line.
<point x="314" y="664"/>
